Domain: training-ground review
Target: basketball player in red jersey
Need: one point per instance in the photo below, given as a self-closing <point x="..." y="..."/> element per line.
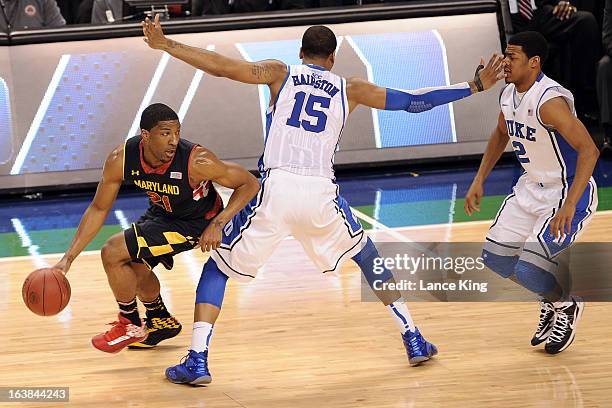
<point x="185" y="211"/>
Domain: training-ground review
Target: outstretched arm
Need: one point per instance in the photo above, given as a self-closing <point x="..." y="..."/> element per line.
<point x="96" y="213"/>
<point x="361" y="92"/>
<point x="556" y="114"/>
<point x="495" y="148"/>
<point x="268" y="72"/>
<point x="204" y="165"/>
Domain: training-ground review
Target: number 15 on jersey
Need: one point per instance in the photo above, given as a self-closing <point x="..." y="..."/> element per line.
<point x="317" y="117"/>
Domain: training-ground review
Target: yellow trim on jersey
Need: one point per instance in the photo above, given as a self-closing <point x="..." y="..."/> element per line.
<point x="146" y="264"/>
<point x="123" y="167"/>
<point x="142" y="243"/>
<point x="161" y="249"/>
<point x="175" y="237"/>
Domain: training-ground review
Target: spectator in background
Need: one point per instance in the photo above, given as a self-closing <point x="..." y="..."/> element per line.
<point x="84" y="12"/>
<point x="69" y="10"/>
<point x="29" y="14"/>
<point x="574" y="35"/>
<point x="208" y="7"/>
<point x="106" y="11"/>
<point x="604" y="77"/>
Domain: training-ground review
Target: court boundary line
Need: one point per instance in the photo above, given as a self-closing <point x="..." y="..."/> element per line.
<point x="149" y="93"/>
<point x="370" y="75"/>
<point x="451" y="111"/>
<point x="380" y="225"/>
<point x="394" y="233"/>
<point x="194" y="85"/>
<point x="60" y="68"/>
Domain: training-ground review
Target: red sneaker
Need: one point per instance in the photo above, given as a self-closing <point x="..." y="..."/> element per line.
<point x="122" y="334"/>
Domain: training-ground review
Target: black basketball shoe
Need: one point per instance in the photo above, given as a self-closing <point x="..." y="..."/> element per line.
<point x="564" y="329"/>
<point x="163" y="328"/>
<point x="545" y="325"/>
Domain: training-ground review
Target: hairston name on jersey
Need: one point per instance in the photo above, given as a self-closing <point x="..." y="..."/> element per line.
<point x="315" y="81"/>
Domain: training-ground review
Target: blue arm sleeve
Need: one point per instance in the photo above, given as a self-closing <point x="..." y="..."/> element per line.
<point x="425" y="99"/>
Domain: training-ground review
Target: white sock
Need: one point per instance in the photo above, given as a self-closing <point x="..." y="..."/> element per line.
<point x="400" y="313"/>
<point x="202" y="332"/>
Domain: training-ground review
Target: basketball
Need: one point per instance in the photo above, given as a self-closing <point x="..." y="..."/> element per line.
<point x="46" y="291"/>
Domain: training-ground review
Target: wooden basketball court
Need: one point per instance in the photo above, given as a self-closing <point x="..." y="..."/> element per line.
<point x="295" y="338"/>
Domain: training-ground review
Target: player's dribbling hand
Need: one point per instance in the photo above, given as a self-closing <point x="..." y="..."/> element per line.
<point x="211" y="237"/>
<point x="63" y="265"/>
<point x="472" y="198"/>
<point x="492" y="72"/>
<point x="561" y="224"/>
<point x="154" y="35"/>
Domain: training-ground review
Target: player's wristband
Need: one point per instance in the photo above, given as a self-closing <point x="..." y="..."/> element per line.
<point x="477" y="80"/>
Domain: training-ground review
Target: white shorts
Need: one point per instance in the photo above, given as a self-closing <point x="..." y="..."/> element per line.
<point x="522" y="225"/>
<point x="307" y="207"/>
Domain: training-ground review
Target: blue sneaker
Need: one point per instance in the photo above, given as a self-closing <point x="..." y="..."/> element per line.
<point x="417" y="347"/>
<point x="193" y="370"/>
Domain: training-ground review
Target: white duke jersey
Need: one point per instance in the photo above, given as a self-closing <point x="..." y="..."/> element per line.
<point x="304" y="125"/>
<point x="542" y="151"/>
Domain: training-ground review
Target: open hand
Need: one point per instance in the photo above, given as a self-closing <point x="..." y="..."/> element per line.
<point x="154" y="36"/>
<point x="491" y="73"/>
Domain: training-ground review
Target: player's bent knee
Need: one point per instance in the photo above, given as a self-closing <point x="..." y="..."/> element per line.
<point x="501" y="265"/>
<point x="106" y="252"/>
<point x="114" y="250"/>
<point x="211" y="287"/>
<point x="534" y="278"/>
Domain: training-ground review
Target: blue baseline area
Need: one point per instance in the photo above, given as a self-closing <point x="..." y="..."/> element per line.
<point x="6" y="124"/>
<point x="77" y="113"/>
<point x="361" y="191"/>
<point x="408" y="61"/>
<point x="403" y="199"/>
<point x="414" y="206"/>
<point x="287" y="51"/>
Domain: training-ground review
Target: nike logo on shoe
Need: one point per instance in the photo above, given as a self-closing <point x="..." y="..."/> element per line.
<point x="119" y="340"/>
<point x="119" y="336"/>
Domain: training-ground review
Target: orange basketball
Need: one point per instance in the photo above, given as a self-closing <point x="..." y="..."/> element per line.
<point x="46" y="291"/>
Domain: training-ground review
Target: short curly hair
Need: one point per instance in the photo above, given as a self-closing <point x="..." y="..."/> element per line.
<point x="319" y="41"/>
<point x="156" y="113"/>
<point x="533" y="44"/>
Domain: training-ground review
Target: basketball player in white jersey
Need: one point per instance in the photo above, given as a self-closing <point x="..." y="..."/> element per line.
<point x="555" y="198"/>
<point x="308" y="109"/>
